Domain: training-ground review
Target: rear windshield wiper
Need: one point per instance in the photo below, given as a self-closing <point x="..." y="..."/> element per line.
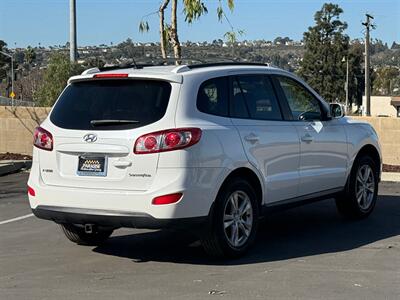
<point x="112" y="122"/>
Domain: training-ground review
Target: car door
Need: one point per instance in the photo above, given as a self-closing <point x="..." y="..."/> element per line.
<point x="323" y="143"/>
<point x="271" y="143"/>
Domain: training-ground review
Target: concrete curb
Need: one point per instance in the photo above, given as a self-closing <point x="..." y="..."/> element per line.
<point x="7" y="167"/>
<point x="390" y="176"/>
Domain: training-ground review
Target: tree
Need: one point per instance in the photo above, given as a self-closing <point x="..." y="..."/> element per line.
<point x="387" y="81"/>
<point x="5" y="67"/>
<point x="3" y="59"/>
<point x="58" y="71"/>
<point x="30" y="55"/>
<point x="192" y="10"/>
<point x="26" y="86"/>
<point x="377" y="46"/>
<point x="356" y="74"/>
<point x="325" y="46"/>
<point x="282" y="41"/>
<point x="395" y="46"/>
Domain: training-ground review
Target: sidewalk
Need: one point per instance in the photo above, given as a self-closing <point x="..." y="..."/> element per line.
<point x="390" y="176"/>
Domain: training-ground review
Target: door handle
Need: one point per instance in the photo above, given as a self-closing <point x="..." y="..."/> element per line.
<point x="307" y="138"/>
<point x="122" y="164"/>
<point x="252" y="138"/>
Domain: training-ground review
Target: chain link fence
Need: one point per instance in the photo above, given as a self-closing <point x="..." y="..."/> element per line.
<point x="10" y="102"/>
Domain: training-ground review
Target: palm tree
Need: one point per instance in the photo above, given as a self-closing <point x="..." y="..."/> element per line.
<point x="30" y="55"/>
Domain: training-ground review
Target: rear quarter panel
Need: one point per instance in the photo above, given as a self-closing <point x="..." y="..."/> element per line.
<point x="220" y="149"/>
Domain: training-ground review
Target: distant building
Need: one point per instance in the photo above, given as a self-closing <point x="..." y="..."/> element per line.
<point x="383" y="106"/>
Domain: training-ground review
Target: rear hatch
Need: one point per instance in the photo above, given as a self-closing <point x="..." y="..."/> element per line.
<point x="95" y="124"/>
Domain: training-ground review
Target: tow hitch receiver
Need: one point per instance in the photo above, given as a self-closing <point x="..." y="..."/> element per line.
<point x="89" y="228"/>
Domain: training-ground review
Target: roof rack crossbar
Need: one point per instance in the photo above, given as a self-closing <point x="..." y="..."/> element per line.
<point x="134" y="66"/>
<point x="178" y="69"/>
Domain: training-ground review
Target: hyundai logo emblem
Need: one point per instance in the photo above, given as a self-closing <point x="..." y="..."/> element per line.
<point x="90" y="138"/>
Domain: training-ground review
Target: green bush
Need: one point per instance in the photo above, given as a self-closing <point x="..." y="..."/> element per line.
<point x="58" y="71"/>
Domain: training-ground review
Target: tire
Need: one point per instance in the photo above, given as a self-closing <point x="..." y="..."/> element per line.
<point x="78" y="235"/>
<point x="354" y="203"/>
<point x="219" y="241"/>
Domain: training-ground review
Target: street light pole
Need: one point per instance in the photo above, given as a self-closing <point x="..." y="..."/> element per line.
<point x="12" y="74"/>
<point x="347" y="84"/>
<point x="12" y="78"/>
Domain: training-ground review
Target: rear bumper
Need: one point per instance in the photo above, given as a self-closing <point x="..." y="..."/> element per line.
<point x="198" y="186"/>
<point x="114" y="219"/>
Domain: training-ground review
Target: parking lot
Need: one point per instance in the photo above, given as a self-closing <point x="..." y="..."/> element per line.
<point x="304" y="253"/>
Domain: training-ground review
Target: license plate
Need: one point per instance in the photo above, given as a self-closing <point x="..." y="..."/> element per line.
<point x="92" y="166"/>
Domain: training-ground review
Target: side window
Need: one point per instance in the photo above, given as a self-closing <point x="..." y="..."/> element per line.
<point x="254" y="97"/>
<point x="212" y="97"/>
<point x="302" y="103"/>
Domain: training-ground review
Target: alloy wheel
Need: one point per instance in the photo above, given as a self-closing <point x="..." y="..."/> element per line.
<point x="238" y="218"/>
<point x="365" y="186"/>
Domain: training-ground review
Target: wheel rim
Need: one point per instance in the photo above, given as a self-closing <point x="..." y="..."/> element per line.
<point x="365" y="186"/>
<point x="238" y="218"/>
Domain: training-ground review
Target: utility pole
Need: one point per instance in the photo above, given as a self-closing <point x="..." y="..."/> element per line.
<point x="368" y="27"/>
<point x="72" y="31"/>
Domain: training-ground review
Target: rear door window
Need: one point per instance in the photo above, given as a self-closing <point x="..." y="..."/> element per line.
<point x="111" y="104"/>
<point x="254" y="98"/>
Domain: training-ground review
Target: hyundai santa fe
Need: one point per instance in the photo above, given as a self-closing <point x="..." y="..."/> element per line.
<point x="208" y="148"/>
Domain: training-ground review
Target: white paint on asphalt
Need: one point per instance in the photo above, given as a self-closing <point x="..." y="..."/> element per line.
<point x="15" y="219"/>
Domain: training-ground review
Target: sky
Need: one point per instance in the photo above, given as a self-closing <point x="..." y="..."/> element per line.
<point x="30" y="22"/>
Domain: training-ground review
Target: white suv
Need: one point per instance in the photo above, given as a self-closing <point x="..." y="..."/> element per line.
<point x="209" y="148"/>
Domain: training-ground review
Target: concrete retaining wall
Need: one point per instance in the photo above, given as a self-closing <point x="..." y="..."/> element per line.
<point x="388" y="130"/>
<point x="17" y="125"/>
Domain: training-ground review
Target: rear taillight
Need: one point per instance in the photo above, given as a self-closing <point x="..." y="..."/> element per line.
<point x="167" y="140"/>
<point x="43" y="139"/>
<point x="31" y="191"/>
<point x="167" y="199"/>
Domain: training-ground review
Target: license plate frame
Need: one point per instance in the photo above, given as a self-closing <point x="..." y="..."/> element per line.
<point x="92" y="165"/>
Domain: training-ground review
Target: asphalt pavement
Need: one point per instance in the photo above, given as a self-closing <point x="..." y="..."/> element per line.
<point x="304" y="253"/>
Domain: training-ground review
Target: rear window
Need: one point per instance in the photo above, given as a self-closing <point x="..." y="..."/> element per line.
<point x="111" y="104"/>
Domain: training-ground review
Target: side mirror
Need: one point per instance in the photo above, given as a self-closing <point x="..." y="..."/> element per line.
<point x="337" y="110"/>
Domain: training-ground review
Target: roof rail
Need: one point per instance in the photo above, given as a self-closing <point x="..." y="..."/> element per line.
<point x="180" y="69"/>
<point x="218" y="64"/>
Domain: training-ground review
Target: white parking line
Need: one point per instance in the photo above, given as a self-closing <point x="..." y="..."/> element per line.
<point x="16" y="219"/>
